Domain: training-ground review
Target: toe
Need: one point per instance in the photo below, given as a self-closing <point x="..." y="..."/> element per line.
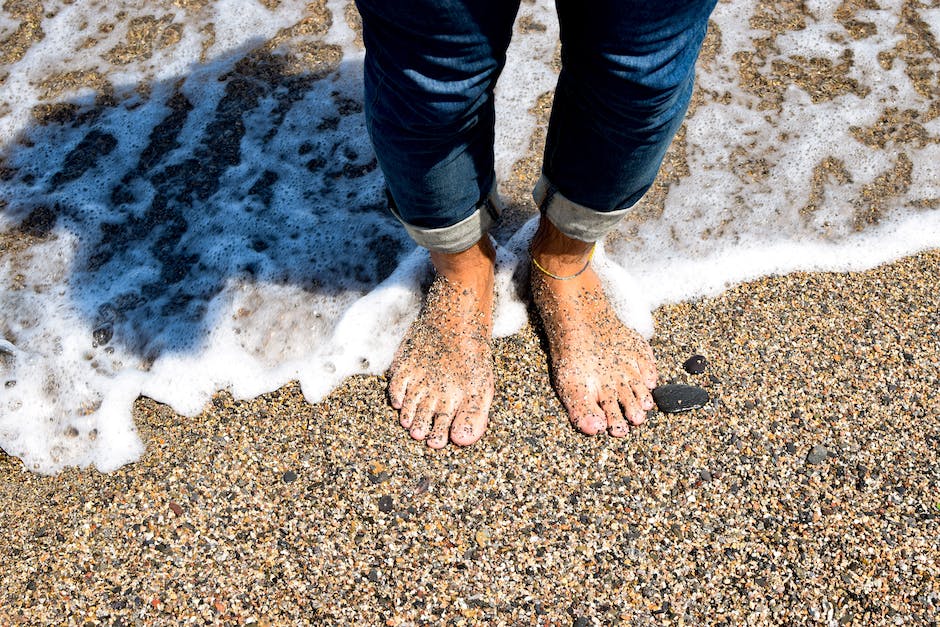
<point x="396" y="390"/>
<point x="632" y="405"/>
<point x="616" y="425"/>
<point x="642" y="393"/>
<point x="440" y="430"/>
<point x="471" y="420"/>
<point x="424" y="418"/>
<point x="648" y="372"/>
<point x="409" y="406"/>
<point x="584" y="412"/>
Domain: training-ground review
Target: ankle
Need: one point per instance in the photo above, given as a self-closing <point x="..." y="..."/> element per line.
<point x="472" y="268"/>
<point x="556" y="255"/>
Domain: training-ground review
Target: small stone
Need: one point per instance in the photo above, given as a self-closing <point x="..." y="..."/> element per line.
<point x="289" y="476"/>
<point x="580" y="621"/>
<point x="696" y="364"/>
<point x="375" y="576"/>
<point x="482" y="537"/>
<point x="177" y="509"/>
<point x="674" y="398"/>
<point x="705" y="475"/>
<point x="386" y="504"/>
<point x="817" y="455"/>
<point x="791" y="448"/>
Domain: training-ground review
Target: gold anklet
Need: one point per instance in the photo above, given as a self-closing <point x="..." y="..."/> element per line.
<point x="558" y="276"/>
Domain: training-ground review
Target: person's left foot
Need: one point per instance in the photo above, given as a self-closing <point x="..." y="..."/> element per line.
<point x="602" y="370"/>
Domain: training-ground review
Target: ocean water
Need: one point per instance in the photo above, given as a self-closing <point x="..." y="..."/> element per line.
<point x="189" y="202"/>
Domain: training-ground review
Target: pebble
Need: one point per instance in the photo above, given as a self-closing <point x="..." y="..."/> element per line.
<point x="289" y="476"/>
<point x="696" y="364"/>
<point x="321" y="556"/>
<point x="675" y="397"/>
<point x="817" y="455"/>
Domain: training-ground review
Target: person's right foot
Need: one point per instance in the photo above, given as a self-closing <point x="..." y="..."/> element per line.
<point x="441" y="380"/>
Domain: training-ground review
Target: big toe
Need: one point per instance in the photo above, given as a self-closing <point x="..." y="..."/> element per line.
<point x="582" y="405"/>
<point x="470" y="422"/>
<point x="587" y="417"/>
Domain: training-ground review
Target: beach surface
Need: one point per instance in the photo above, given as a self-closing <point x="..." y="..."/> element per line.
<point x="806" y="492"/>
<point x="169" y="223"/>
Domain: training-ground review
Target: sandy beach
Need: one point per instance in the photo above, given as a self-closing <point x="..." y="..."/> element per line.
<point x="275" y="512"/>
<point x="806" y="492"/>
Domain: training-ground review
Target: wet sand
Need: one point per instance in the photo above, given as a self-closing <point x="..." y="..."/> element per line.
<point x="273" y="512"/>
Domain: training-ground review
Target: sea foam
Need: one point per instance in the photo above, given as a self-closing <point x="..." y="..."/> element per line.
<point x="190" y="202"/>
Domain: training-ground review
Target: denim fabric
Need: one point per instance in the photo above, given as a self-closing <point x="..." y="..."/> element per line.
<point x="430" y="70"/>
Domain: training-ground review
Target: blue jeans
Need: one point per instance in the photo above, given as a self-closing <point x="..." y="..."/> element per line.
<point x="430" y="70"/>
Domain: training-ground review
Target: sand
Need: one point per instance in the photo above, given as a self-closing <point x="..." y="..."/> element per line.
<point x="273" y="511"/>
<point x="806" y="492"/>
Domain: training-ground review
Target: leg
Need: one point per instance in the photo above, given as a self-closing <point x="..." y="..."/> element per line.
<point x="625" y="84"/>
<point x="430" y="71"/>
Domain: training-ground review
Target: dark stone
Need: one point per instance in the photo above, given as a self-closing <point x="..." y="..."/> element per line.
<point x="580" y="621"/>
<point x="289" y="476"/>
<point x="791" y="448"/>
<point x="705" y="475"/>
<point x="696" y="364"/>
<point x="817" y="455"/>
<point x="386" y="504"/>
<point x="674" y="398"/>
<point x="375" y="576"/>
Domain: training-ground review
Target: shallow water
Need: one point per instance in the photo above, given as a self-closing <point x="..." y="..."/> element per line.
<point x="190" y="202"/>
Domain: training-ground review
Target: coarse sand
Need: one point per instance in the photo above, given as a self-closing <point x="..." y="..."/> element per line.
<point x="806" y="492"/>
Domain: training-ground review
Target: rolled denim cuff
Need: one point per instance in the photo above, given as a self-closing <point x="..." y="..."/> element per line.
<point x="574" y="220"/>
<point x="458" y="237"/>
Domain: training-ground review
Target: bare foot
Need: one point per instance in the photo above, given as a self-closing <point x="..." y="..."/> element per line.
<point x="441" y="381"/>
<point x="602" y="371"/>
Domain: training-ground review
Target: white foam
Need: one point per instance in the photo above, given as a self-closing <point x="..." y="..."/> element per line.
<point x="305" y="276"/>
